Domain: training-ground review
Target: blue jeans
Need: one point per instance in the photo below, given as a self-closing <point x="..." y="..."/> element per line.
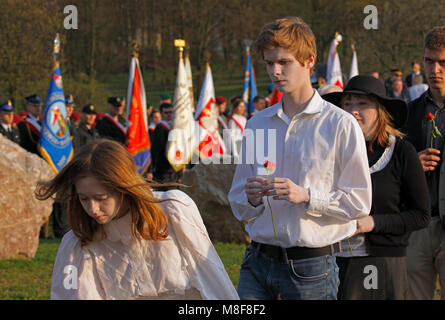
<point x="266" y="278"/>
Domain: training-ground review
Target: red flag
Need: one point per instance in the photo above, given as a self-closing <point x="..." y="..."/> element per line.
<point x="138" y="141"/>
<point x="276" y="96"/>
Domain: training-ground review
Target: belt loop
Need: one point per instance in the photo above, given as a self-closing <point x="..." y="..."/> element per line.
<point x="286" y="260"/>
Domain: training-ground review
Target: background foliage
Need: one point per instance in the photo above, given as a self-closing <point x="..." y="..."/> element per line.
<point x="96" y="56"/>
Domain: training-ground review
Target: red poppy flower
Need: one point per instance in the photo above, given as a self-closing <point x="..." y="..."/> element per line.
<point x="429" y="116"/>
<point x="269" y="165"/>
<point x="178" y="155"/>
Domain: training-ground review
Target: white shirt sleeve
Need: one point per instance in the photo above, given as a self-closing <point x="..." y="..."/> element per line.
<point x="73" y="275"/>
<point x="208" y="274"/>
<point x="352" y="194"/>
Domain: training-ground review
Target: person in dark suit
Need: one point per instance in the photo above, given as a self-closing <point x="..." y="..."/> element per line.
<point x="30" y="126"/>
<point x="398" y="90"/>
<point x="69" y="107"/>
<point x="113" y="124"/>
<point x="86" y="132"/>
<point x="162" y="170"/>
<point x="426" y="250"/>
<point x="416" y="72"/>
<point x="7" y="128"/>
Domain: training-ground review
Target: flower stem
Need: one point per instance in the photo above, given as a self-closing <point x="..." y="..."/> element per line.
<point x="271" y="211"/>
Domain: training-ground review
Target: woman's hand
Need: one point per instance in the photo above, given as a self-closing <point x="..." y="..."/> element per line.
<point x="364" y="225"/>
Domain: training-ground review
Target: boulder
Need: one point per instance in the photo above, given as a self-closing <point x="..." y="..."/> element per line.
<point x="22" y="215"/>
<point x="209" y="188"/>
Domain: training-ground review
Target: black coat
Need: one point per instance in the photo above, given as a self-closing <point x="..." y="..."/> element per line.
<point x="14" y="135"/>
<point x="109" y="130"/>
<point x="82" y="135"/>
<point x="162" y="170"/>
<point x="29" y="137"/>
<point x="417" y="133"/>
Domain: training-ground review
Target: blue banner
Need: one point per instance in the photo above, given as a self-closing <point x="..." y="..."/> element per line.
<point x="55" y="140"/>
<point x="249" y="89"/>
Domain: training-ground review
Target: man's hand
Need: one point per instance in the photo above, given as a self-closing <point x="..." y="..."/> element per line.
<point x="429" y="159"/>
<point x="285" y="189"/>
<point x="254" y="190"/>
<point x="364" y="225"/>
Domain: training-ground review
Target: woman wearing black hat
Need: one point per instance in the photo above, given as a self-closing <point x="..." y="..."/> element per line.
<point x="373" y="261"/>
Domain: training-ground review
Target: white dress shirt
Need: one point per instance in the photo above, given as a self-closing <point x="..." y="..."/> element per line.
<point x="323" y="149"/>
<point x="184" y="266"/>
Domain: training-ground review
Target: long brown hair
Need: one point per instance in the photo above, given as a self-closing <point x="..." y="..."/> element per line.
<point x="114" y="167"/>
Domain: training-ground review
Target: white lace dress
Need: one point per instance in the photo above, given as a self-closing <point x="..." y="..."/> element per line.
<point x="185" y="266"/>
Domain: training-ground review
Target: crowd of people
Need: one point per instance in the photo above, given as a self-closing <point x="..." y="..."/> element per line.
<point x="357" y="183"/>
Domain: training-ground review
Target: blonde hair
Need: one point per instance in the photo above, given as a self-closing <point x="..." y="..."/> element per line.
<point x="114" y="167"/>
<point x="290" y="33"/>
<point x="385" y="126"/>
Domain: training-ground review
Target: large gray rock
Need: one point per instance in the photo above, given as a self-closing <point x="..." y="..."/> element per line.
<point x="21" y="214"/>
<point x="210" y="185"/>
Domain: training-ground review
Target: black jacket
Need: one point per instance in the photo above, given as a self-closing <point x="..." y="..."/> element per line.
<point x="82" y="135"/>
<point x="29" y="137"/>
<point x="14" y="135"/>
<point x="400" y="202"/>
<point x="416" y="130"/>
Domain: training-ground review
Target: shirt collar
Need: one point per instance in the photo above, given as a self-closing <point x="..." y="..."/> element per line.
<point x="429" y="98"/>
<point x="314" y="106"/>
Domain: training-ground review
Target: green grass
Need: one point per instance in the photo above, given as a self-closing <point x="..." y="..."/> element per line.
<point x="30" y="279"/>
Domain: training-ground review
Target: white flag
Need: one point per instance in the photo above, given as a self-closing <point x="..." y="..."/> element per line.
<point x="334" y="74"/>
<point x="354" y="64"/>
<point x="188" y="72"/>
<point x="209" y="141"/>
<point x="181" y="139"/>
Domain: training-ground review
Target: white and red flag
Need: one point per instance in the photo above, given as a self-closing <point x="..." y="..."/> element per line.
<point x="209" y="141"/>
<point x="181" y="140"/>
<point x="354" y="64"/>
<point x="188" y="72"/>
<point x="334" y="74"/>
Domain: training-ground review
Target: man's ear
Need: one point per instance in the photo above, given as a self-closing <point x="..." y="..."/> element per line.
<point x="311" y="61"/>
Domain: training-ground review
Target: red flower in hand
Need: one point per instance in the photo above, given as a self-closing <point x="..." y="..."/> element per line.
<point x="429" y="116"/>
<point x="269" y="165"/>
<point x="435" y="131"/>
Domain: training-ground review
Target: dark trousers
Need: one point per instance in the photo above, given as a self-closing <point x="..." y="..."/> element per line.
<point x="372" y="278"/>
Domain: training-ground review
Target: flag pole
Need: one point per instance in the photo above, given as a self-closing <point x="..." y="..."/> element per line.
<point x="180" y="44"/>
<point x="56" y="52"/>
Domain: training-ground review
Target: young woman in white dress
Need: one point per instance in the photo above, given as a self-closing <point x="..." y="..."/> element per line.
<point x="126" y="241"/>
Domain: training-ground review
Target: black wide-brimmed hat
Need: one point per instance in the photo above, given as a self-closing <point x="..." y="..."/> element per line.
<point x="368" y="85"/>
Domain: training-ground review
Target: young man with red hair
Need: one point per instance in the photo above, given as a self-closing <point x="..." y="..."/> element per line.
<point x="320" y="183"/>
